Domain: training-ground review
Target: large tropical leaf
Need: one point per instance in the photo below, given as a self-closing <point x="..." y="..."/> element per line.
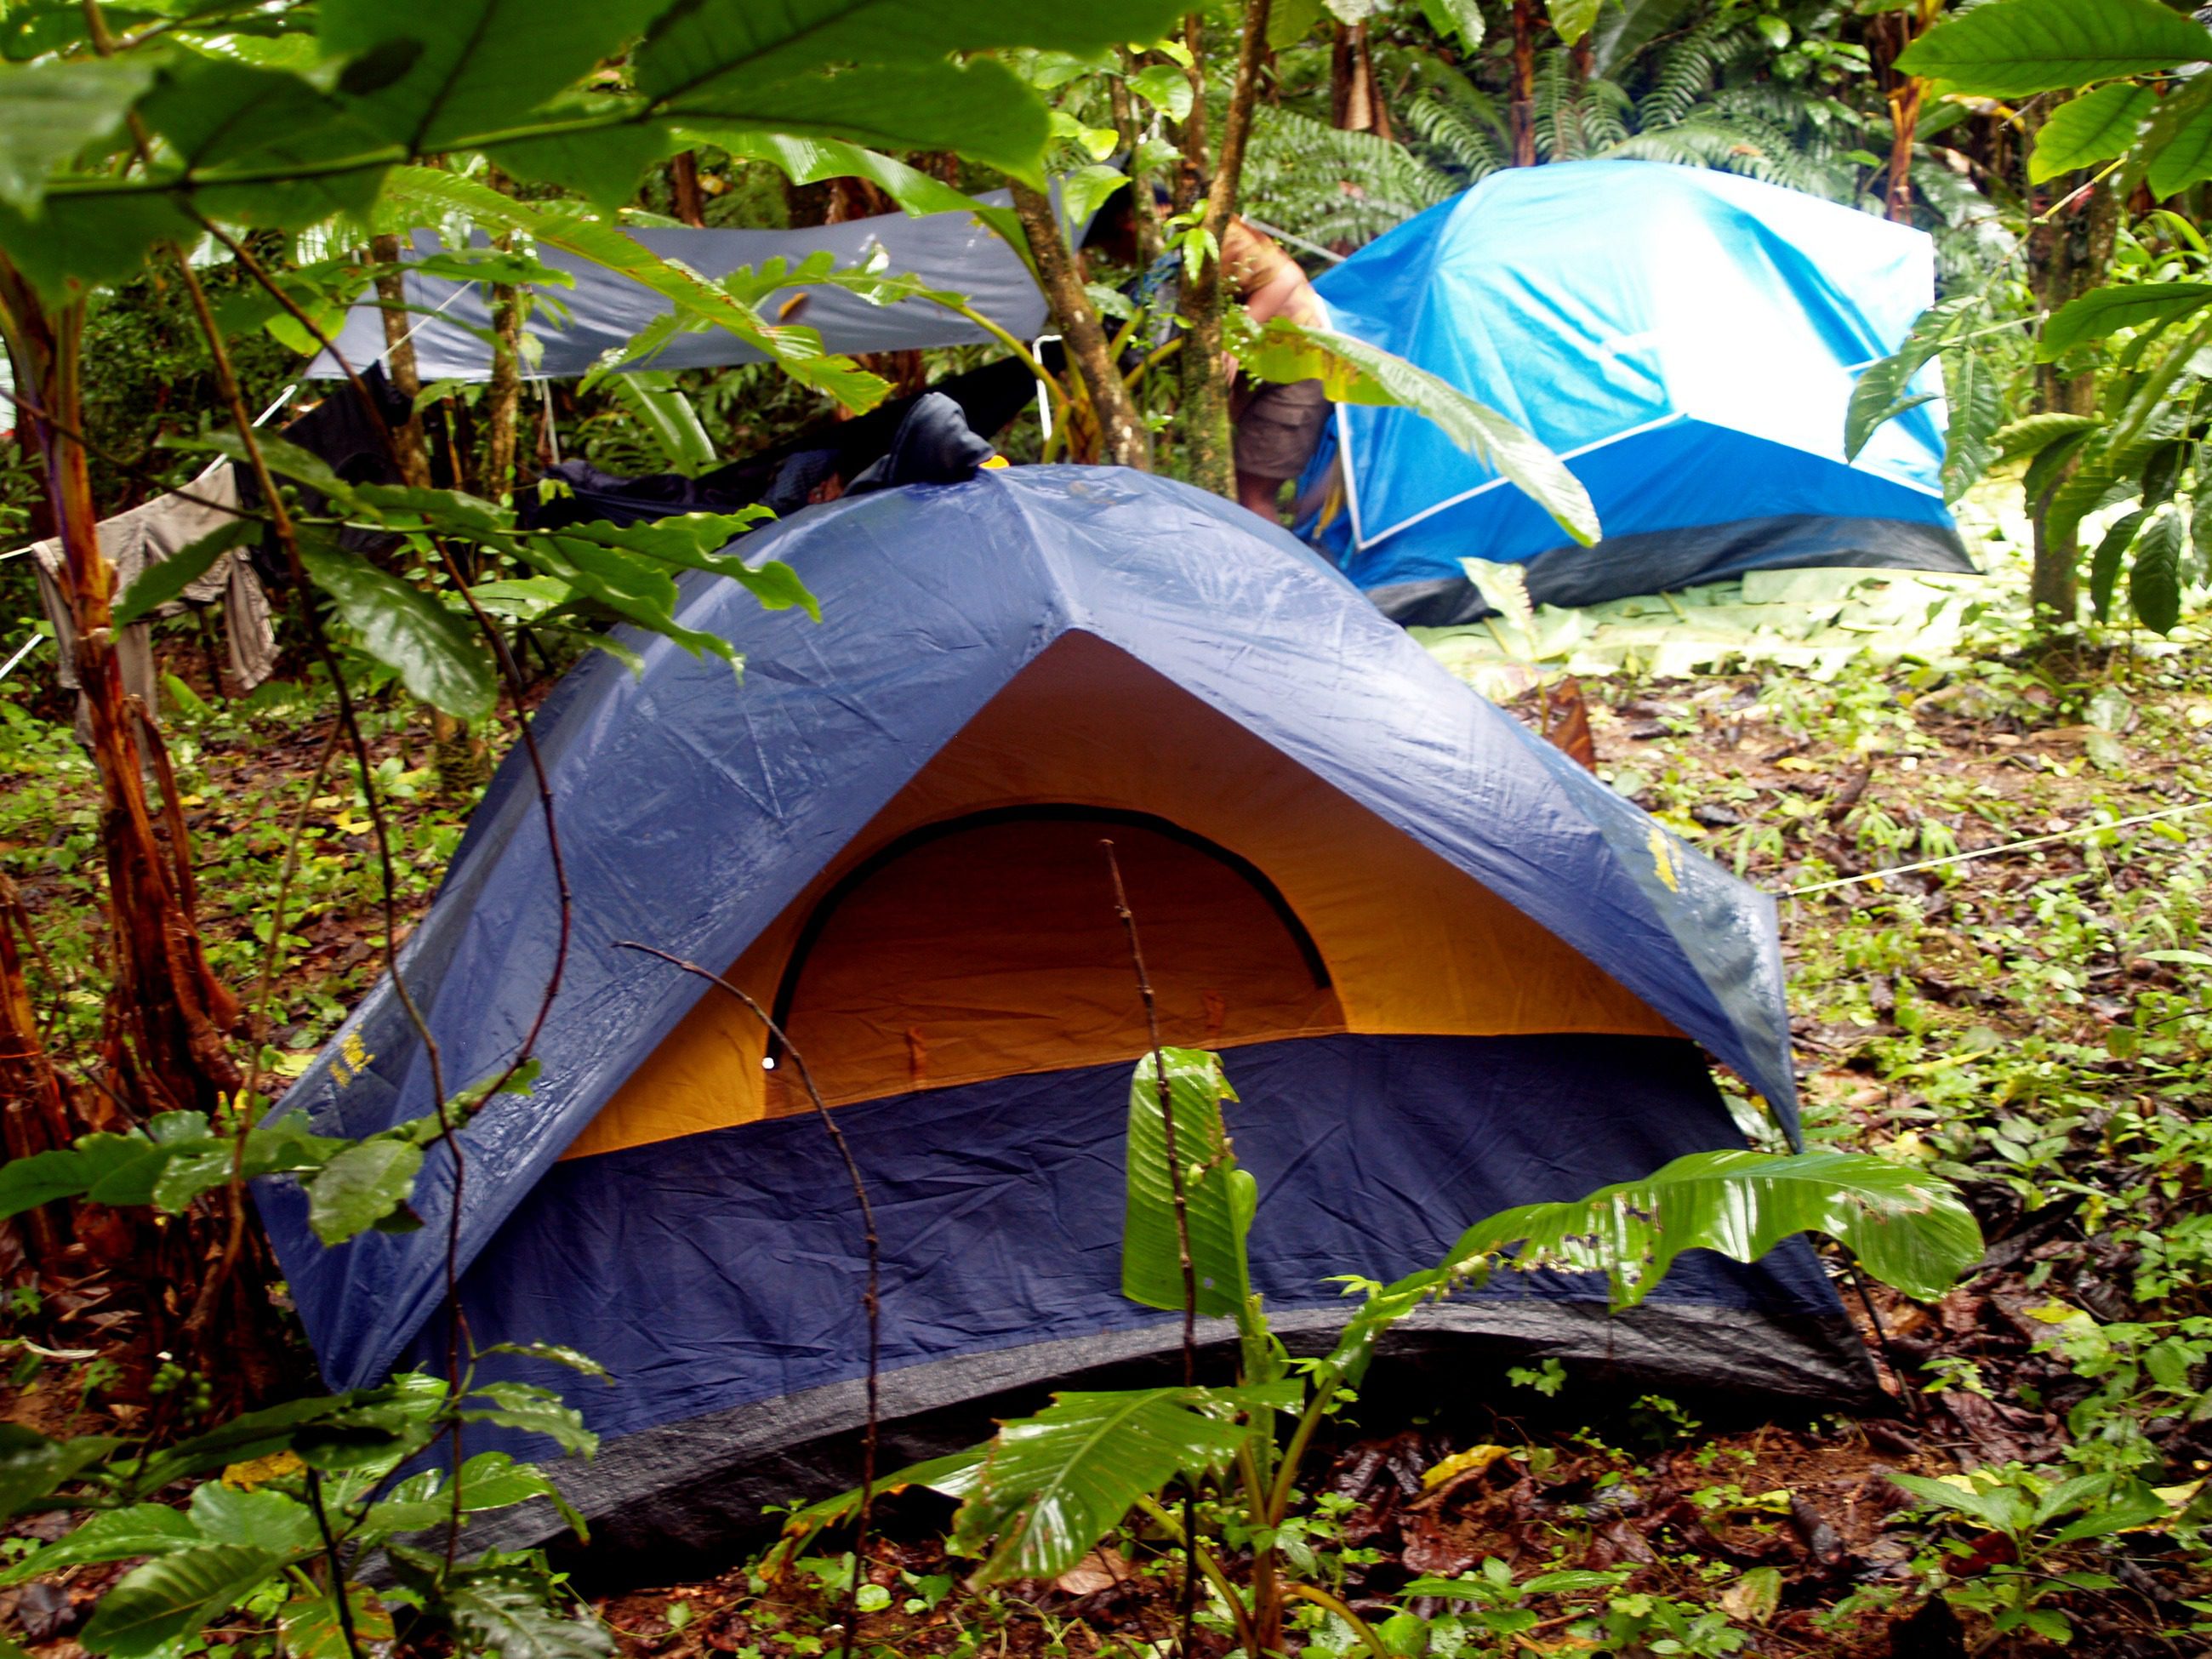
<point x="2092" y="128"/>
<point x="475" y="66"/>
<point x="1907" y="1228"/>
<point x="798" y="351"/>
<point x="173" y="1595"/>
<point x="50" y="110"/>
<point x="2179" y="143"/>
<point x="2105" y="311"/>
<point x="2154" y="575"/>
<point x="2009" y="48"/>
<point x="1219" y="1198"/>
<point x="2105" y="563"/>
<point x="1976" y="403"/>
<point x="1052" y="1485"/>
<point x="1884" y="388"/>
<point x="435" y="649"/>
<point x="1355" y="372"/>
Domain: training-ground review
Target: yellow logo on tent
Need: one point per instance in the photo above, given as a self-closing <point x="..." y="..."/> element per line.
<point x="1663" y="859"/>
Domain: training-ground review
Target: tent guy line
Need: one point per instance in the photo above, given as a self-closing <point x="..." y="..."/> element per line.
<point x="2074" y="834"/>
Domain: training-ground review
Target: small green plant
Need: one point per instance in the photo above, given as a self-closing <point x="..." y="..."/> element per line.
<point x="1048" y="1488"/>
<point x="2038" y="1518"/>
<point x="1548" y="1379"/>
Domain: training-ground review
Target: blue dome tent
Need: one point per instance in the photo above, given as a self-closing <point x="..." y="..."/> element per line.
<point x="1686" y="340"/>
<point x="1447" y="969"/>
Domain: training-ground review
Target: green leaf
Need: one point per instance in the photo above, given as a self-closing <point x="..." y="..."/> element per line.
<point x="1455" y="18"/>
<point x="2135" y="1507"/>
<point x="264" y="1519"/>
<point x="1976" y="402"/>
<point x="360" y="1186"/>
<point x="1999" y="1507"/>
<point x="437" y="656"/>
<point x="2154" y="575"/>
<point x="1166" y="87"/>
<point x="1053" y="1484"/>
<point x="2094" y="127"/>
<point x="1909" y="1229"/>
<point x="796" y="350"/>
<point x="174" y="1596"/>
<point x="1572" y="19"/>
<point x="954" y="1475"/>
<point x="1352" y="371"/>
<point x="553" y="1354"/>
<point x="50" y="110"/>
<point x="1884" y="389"/>
<point x="2105" y="311"/>
<point x="535" y="1411"/>
<point x="811" y="160"/>
<point x="2179" y="145"/>
<point x="259" y="146"/>
<point x="2009" y="48"/>
<point x="32" y="1466"/>
<point x="509" y="1608"/>
<point x="2105" y="565"/>
<point x="1219" y="1198"/>
<point x="667" y="417"/>
<point x="1086" y="190"/>
<point x="479" y="65"/>
<point x="2032" y="433"/>
<point x="120" y="1534"/>
<point x="737" y="60"/>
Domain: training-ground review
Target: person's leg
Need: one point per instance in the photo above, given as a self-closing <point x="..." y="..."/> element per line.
<point x="1277" y="431"/>
<point x="1259" y="494"/>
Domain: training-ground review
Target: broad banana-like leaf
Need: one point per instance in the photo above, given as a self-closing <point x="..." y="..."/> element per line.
<point x="1054" y="1484"/>
<point x="1219" y="1198"/>
<point x="1907" y="1228"/>
<point x="953" y="1475"/>
<point x="2013" y="47"/>
<point x="1355" y="372"/>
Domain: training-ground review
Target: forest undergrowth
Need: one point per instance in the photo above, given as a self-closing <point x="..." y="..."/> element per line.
<point x="2036" y="1024"/>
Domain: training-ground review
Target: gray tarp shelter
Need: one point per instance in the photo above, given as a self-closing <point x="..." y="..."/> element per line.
<point x="954" y="251"/>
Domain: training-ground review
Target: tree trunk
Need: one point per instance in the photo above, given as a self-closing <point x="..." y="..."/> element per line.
<point x="168" y="1020"/>
<point x="503" y="396"/>
<point x="1120" y="424"/>
<point x="36" y="1114"/>
<point x="411" y="453"/>
<point x="1355" y="102"/>
<point x="1141" y="212"/>
<point x="167" y="1016"/>
<point x="1525" y="21"/>
<point x="2067" y="254"/>
<point x="684" y="185"/>
<point x="1205" y="380"/>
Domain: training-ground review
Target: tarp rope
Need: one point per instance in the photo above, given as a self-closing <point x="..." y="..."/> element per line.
<point x="2074" y="834"/>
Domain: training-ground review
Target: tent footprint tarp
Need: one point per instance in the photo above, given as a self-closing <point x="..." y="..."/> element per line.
<point x="1450" y="971"/>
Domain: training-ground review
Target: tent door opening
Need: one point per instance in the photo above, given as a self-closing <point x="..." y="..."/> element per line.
<point x="989" y="945"/>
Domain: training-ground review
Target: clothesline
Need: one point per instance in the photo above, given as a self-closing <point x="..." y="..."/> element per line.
<point x="22" y="650"/>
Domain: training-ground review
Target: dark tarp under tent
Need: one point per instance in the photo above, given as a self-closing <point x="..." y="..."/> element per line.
<point x="1448" y="971"/>
<point x="1686" y="340"/>
<point x="606" y="309"/>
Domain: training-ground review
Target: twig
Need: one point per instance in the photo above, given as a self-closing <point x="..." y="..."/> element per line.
<point x="1189" y="1593"/>
<point x="339" y="1597"/>
<point x="869" y="1301"/>
<point x="204" y="1305"/>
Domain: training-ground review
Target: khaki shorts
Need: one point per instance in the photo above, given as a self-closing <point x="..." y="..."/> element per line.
<point x="1276" y="426"/>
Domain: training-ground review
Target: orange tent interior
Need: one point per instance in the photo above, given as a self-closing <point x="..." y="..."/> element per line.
<point x="969" y="931"/>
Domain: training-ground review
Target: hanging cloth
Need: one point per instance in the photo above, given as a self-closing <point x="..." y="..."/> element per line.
<point x="133" y="542"/>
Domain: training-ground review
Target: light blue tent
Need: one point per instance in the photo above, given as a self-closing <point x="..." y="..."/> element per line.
<point x="1687" y="340"/>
